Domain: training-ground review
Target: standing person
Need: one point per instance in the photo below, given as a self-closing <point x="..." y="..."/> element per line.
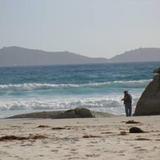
<point x="127" y="103"/>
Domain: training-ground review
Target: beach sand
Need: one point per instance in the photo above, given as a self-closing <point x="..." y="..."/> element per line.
<point x="80" y="139"/>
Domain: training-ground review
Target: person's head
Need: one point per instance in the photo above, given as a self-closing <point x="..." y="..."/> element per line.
<point x="125" y="92"/>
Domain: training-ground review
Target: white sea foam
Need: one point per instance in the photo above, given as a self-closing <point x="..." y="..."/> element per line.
<point x="106" y="104"/>
<point x="43" y="86"/>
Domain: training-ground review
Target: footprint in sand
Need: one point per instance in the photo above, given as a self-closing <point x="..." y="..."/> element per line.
<point x="54" y="150"/>
<point x="92" y="155"/>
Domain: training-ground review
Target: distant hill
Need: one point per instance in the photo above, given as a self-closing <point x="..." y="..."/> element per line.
<point x="138" y="55"/>
<point x="17" y="56"/>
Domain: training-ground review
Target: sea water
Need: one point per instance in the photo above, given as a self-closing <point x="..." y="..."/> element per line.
<point x="98" y="87"/>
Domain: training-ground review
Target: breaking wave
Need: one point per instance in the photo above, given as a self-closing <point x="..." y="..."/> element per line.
<point x="43" y="86"/>
<point x="104" y="104"/>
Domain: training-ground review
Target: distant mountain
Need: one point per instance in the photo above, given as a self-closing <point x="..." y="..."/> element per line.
<point x="17" y="56"/>
<point x="138" y="55"/>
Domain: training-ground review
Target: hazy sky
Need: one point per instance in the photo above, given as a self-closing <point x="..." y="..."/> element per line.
<point x="96" y="28"/>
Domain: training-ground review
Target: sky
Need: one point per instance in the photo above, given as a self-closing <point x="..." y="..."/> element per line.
<point x="94" y="28"/>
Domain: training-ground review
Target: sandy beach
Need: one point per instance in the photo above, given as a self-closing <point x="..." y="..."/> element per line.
<point x="80" y="139"/>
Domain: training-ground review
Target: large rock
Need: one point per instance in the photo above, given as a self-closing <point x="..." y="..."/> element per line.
<point x="149" y="102"/>
<point x="73" y="113"/>
<point x="76" y="113"/>
<point x="157" y="71"/>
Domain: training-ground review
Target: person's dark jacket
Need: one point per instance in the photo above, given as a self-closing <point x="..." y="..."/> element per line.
<point x="127" y="99"/>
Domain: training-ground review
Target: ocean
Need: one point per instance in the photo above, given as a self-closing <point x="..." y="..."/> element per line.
<point x="98" y="87"/>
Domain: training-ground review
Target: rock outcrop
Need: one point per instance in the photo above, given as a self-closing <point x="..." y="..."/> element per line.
<point x="72" y="113"/>
<point x="76" y="113"/>
<point x="149" y="102"/>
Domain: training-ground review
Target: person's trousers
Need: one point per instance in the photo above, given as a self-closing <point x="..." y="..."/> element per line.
<point x="128" y="110"/>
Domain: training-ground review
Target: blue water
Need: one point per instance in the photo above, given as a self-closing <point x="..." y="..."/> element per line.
<point x="98" y="87"/>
